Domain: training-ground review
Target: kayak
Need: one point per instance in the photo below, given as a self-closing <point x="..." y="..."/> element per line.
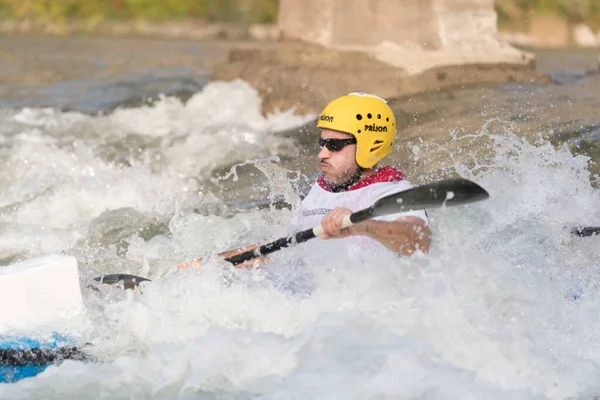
<point x="42" y="292"/>
<point x="22" y="357"/>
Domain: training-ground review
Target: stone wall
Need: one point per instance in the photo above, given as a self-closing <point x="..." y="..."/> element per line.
<point x="430" y="24"/>
<point x="358" y="24"/>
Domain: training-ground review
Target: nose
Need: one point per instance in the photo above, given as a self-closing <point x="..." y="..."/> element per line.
<point x="324" y="153"/>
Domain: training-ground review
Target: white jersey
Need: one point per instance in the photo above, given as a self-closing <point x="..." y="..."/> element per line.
<point x="320" y="200"/>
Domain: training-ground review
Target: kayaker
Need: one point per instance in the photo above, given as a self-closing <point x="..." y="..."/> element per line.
<point x="357" y="132"/>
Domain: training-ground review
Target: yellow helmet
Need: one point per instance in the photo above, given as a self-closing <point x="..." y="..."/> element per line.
<point x="368" y="118"/>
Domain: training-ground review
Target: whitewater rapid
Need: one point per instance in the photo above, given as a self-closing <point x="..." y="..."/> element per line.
<point x="504" y="306"/>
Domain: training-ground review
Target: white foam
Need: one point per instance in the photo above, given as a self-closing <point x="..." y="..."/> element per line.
<point x="487" y="314"/>
<point x="57" y="177"/>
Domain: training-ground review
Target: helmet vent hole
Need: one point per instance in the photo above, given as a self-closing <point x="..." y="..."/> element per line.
<point x="378" y="116"/>
<point x="369" y="116"/>
<point x="358" y="117"/>
<point x="377" y="145"/>
<point x="387" y="120"/>
<point x="358" y="131"/>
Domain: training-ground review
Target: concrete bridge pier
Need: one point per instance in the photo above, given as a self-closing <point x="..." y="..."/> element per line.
<point x="414" y="35"/>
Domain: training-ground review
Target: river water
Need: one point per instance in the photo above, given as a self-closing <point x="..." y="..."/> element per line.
<point x="127" y="179"/>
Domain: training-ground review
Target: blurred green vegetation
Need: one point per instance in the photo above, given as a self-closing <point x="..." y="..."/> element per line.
<point x="516" y="13"/>
<point x="57" y="11"/>
<point x="511" y="13"/>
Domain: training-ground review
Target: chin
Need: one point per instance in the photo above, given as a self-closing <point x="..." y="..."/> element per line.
<point x="330" y="180"/>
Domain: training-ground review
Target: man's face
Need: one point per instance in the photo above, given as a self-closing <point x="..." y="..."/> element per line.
<point x="338" y="167"/>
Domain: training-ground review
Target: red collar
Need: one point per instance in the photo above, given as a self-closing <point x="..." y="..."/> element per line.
<point x="385" y="174"/>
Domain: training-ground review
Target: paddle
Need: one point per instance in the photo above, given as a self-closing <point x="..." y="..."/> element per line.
<point x="129" y="281"/>
<point x="584" y="231"/>
<point x="451" y="192"/>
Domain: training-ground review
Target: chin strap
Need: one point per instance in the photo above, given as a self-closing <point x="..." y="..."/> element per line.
<point x="346" y="185"/>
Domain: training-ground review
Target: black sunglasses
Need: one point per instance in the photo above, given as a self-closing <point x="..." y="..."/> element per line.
<point x="335" y="145"/>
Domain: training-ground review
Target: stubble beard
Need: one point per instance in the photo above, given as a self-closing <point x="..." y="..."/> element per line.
<point x="343" y="177"/>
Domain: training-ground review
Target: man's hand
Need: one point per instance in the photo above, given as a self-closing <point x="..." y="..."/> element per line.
<point x="404" y="236"/>
<point x="332" y="224"/>
<point x="254" y="263"/>
<point x="195" y="264"/>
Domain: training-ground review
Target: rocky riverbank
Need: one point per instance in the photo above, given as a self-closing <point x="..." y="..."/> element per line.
<point x="304" y="76"/>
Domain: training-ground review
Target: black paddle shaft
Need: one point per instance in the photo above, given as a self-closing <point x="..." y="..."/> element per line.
<point x="272" y="247"/>
<point x="129" y="281"/>
<point x="584" y="231"/>
<point x="452" y="192"/>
